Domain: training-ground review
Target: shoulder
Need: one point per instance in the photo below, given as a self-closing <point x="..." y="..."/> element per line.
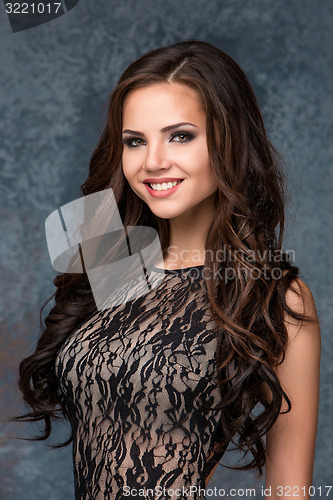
<point x="300" y="369"/>
<point x="299" y="299"/>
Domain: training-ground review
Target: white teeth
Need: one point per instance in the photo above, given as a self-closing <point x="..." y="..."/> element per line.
<point x="164" y="185"/>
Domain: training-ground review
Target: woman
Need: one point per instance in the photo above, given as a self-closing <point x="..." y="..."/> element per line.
<point x="157" y="388"/>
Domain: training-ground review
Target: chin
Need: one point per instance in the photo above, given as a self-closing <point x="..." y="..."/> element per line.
<point x="164" y="214"/>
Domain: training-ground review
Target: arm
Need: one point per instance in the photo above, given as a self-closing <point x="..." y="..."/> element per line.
<point x="291" y="441"/>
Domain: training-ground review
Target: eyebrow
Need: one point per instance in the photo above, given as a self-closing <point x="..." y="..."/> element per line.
<point x="163" y="130"/>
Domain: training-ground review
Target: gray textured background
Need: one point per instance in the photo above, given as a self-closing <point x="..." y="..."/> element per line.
<point x="54" y="80"/>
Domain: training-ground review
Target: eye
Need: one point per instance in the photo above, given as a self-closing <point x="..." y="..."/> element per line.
<point x="133" y="142"/>
<point x="182" y="137"/>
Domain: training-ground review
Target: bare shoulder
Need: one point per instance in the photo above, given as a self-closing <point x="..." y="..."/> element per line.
<point x="300" y="299"/>
<point x="302" y="356"/>
<point x="302" y="353"/>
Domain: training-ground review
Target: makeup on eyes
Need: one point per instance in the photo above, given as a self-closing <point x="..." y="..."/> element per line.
<point x="131" y="138"/>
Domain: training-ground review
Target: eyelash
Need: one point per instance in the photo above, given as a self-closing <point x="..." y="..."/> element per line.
<point x="128" y="142"/>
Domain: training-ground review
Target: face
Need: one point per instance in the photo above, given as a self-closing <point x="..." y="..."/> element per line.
<point x="165" y="156"/>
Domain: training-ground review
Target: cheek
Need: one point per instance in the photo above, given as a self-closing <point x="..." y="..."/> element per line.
<point x="130" y="171"/>
<point x="131" y="163"/>
<point x="126" y="165"/>
<point x="206" y="175"/>
<point x="201" y="165"/>
<point x="200" y="155"/>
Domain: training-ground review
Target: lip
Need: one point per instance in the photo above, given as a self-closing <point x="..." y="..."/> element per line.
<point x="166" y="192"/>
<point x="162" y="179"/>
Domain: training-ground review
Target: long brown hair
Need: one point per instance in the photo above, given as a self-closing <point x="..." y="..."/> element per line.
<point x="246" y="295"/>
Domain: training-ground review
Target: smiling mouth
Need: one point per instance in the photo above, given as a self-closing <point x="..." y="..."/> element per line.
<point x="164" y="186"/>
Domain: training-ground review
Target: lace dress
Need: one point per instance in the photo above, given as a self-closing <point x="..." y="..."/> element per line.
<point x="132" y="376"/>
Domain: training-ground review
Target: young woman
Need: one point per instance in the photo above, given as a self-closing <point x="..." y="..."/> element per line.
<point x="225" y="348"/>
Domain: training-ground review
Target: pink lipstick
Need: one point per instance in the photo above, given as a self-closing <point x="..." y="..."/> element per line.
<point x="163" y="192"/>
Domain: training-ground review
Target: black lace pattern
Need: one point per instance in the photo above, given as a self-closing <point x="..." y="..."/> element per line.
<point x="132" y="376"/>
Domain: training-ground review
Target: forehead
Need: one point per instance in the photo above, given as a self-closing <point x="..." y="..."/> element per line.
<point x="165" y="101"/>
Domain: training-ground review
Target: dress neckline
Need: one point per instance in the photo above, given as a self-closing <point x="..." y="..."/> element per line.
<point x="177" y="271"/>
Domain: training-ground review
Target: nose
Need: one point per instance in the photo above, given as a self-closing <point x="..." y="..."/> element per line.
<point x="156" y="158"/>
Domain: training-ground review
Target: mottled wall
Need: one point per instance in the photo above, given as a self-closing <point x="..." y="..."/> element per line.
<point x="54" y="80"/>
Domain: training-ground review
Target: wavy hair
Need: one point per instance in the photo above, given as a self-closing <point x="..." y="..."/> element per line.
<point x="249" y="306"/>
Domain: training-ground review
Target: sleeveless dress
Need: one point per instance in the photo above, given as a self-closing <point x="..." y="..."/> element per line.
<point x="131" y="377"/>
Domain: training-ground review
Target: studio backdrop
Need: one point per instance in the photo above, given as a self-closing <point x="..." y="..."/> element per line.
<point x="59" y="63"/>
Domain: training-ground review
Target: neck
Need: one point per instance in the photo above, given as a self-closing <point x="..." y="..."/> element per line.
<point x="188" y="233"/>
